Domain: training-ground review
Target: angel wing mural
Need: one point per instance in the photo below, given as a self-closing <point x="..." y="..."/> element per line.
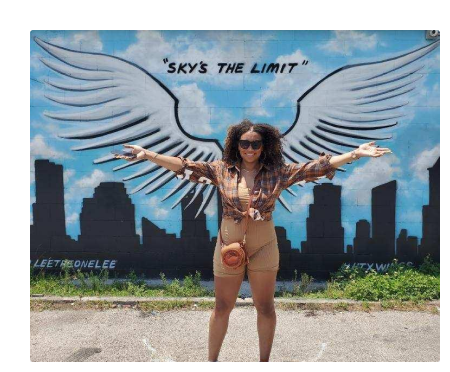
<point x="119" y="102"/>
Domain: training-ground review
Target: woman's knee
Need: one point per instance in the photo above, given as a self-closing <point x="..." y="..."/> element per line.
<point x="265" y="308"/>
<point x="223" y="307"/>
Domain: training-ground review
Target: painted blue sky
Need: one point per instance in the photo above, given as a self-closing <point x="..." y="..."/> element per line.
<point x="210" y="102"/>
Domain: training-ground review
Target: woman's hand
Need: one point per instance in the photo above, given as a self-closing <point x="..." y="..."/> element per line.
<point x="136" y="150"/>
<point x="366" y="149"/>
<point x="369" y="149"/>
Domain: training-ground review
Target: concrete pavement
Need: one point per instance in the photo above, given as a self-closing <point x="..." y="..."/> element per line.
<point x="128" y="334"/>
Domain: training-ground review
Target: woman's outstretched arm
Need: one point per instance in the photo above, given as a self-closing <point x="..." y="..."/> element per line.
<point x="325" y="165"/>
<point x="364" y="150"/>
<point x="184" y="168"/>
<point x="170" y="162"/>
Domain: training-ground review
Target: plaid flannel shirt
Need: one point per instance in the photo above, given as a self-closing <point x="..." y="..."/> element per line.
<point x="270" y="181"/>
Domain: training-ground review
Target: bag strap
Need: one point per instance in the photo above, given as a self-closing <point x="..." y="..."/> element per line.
<point x="246" y="218"/>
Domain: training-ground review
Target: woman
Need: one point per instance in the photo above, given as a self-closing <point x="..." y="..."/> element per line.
<point x="252" y="157"/>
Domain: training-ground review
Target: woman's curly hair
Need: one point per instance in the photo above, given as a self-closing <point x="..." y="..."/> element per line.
<point x="271" y="137"/>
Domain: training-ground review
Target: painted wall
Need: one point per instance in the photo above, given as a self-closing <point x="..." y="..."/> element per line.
<point x="177" y="92"/>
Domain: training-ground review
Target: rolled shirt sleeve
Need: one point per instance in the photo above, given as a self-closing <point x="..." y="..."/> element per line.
<point x="309" y="171"/>
<point x="199" y="171"/>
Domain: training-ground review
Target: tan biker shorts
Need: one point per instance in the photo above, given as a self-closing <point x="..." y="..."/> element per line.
<point x="261" y="246"/>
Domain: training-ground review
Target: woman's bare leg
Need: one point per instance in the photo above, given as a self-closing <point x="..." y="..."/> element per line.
<point x="226" y="292"/>
<point x="262" y="284"/>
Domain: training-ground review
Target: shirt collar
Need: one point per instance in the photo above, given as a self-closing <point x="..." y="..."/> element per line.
<point x="238" y="166"/>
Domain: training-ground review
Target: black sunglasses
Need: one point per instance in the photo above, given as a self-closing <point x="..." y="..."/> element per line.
<point x="255" y="144"/>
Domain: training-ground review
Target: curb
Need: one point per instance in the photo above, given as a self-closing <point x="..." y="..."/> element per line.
<point x="239" y="301"/>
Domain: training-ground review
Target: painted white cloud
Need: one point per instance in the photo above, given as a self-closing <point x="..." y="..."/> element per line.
<point x="73" y="218"/>
<point x="211" y="209"/>
<point x="285" y="89"/>
<point x="84" y="186"/>
<point x="227" y="118"/>
<point x="349" y="229"/>
<point x="37" y="93"/>
<point x="345" y="42"/>
<point x="35" y="63"/>
<point x="424" y="160"/>
<point x="149" y="51"/>
<point x="193" y="110"/>
<point x="39" y="148"/>
<point x="160" y="213"/>
<point x="67" y="175"/>
<point x="50" y="128"/>
<point x="154" y="203"/>
<point x="307" y="198"/>
<point x="434" y="96"/>
<point x="92" y="180"/>
<point x="86" y="41"/>
<point x="301" y="205"/>
<point x="375" y="172"/>
<point x="421" y="94"/>
<point x="32" y="178"/>
<point x="434" y="63"/>
<point x="139" y="230"/>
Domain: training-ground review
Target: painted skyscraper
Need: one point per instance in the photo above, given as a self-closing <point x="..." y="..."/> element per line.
<point x="383" y="220"/>
<point x="324" y="230"/>
<point x="107" y="220"/>
<point x="48" y="211"/>
<point x="361" y="241"/>
<point x="48" y="231"/>
<point x="430" y="243"/>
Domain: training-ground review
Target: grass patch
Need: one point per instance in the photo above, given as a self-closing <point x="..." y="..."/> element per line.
<point x="341" y="306"/>
<point x="92" y="284"/>
<point x="151" y="308"/>
<point x="399" y="282"/>
<point x="175" y="305"/>
<point x="365" y="306"/>
<point x="315" y="309"/>
<point x="42" y="305"/>
<point x="146" y="307"/>
<point x="300" y="288"/>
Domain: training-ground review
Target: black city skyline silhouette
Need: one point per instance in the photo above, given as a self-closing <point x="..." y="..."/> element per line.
<point x="108" y="236"/>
